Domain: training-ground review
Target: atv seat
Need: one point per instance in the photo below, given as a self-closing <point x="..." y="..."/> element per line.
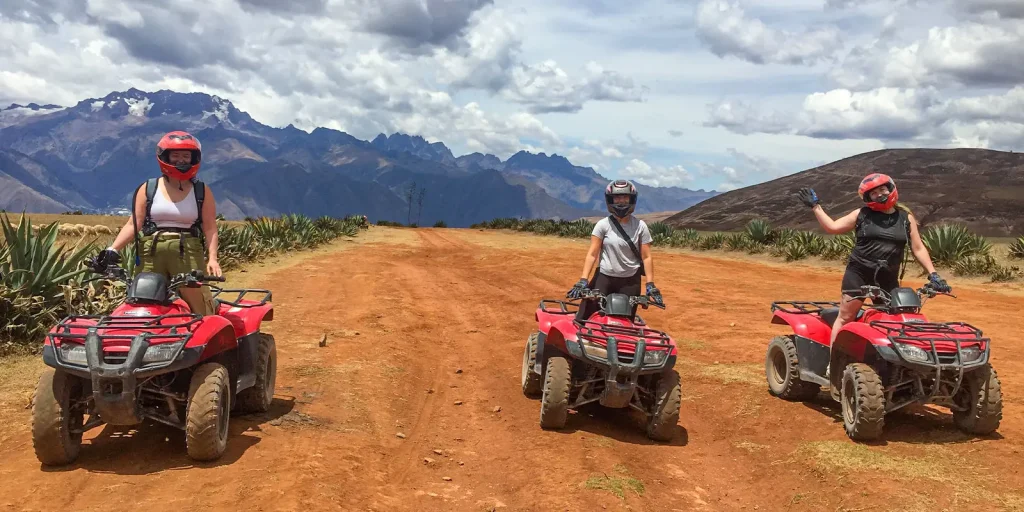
<point x="829" y="315"/>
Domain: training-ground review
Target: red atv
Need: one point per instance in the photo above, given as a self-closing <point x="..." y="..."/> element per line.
<point x="151" y="358"/>
<point x="612" y="358"/>
<point x="891" y="356"/>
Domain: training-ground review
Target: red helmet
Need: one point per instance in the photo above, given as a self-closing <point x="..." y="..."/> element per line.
<point x="174" y="141"/>
<point x="873" y="181"/>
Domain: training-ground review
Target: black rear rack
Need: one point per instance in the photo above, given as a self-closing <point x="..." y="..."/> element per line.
<point x="802" y="307"/>
<point x="563" y="306"/>
<point x="241" y="295"/>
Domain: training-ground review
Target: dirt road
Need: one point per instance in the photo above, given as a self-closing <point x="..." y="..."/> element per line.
<point x="415" y="402"/>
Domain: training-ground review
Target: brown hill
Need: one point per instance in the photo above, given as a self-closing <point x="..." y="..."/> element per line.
<point x="980" y="188"/>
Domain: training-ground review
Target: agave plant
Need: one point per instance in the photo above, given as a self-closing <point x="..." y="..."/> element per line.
<point x="950" y="243"/>
<point x="684" y="237"/>
<point x="579" y="228"/>
<point x="1016" y="248"/>
<point x="795" y="250"/>
<point x="712" y="241"/>
<point x="660" y="229"/>
<point x="838" y="247"/>
<point x="812" y="243"/>
<point x="34" y="264"/>
<point x="759" y="231"/>
<point x="736" y="242"/>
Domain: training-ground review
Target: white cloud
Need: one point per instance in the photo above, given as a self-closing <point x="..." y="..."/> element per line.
<point x="658" y="176"/>
<point x="728" y="30"/>
<point x="972" y="54"/>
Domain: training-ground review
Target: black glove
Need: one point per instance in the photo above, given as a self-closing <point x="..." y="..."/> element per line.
<point x="577" y="289"/>
<point x="654" y="294"/>
<point x="938" y="284"/>
<point x="104" y="259"/>
<point x="808" y="197"/>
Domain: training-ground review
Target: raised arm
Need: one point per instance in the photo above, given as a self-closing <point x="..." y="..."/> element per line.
<point x="831" y="226"/>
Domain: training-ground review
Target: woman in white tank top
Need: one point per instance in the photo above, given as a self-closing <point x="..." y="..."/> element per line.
<point x="175" y="232"/>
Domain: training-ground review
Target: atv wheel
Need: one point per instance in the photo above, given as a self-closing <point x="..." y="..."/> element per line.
<point x="782" y="371"/>
<point x="666" y="407"/>
<point x="208" y="412"/>
<point x="983" y="398"/>
<point x="554" y="404"/>
<point x="53" y="418"/>
<point x="863" y="402"/>
<point x="531" y="381"/>
<point x="260" y="395"/>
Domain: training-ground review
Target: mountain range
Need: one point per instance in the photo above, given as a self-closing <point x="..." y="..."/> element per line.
<point x="981" y="189"/>
<point x="93" y="155"/>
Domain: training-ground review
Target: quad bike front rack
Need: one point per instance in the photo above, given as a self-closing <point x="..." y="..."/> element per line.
<point x="180" y="328"/>
<point x="958" y="333"/>
<point x="114" y="373"/>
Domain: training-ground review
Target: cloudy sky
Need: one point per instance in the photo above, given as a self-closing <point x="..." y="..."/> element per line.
<point x="713" y="94"/>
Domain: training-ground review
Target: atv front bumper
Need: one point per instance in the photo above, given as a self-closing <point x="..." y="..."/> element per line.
<point x="622" y="370"/>
<point x="115" y="383"/>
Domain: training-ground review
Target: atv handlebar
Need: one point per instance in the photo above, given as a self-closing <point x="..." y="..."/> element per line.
<point x="634" y="300"/>
<point x="191" y="279"/>
<point x="875" y="292"/>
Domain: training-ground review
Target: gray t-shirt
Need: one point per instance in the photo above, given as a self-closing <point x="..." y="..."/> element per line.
<point x="617" y="259"/>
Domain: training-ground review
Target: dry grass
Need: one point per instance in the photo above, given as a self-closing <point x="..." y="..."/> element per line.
<point x="939" y="464"/>
<point x="617" y="485"/>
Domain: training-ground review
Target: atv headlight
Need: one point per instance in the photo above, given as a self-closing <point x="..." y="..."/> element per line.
<point x="162" y="352"/>
<point x="73" y="353"/>
<point x="912" y="353"/>
<point x="655" y="357"/>
<point x="595" y="350"/>
<point x="970" y="354"/>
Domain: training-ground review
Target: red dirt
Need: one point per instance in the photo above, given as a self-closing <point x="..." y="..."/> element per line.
<point x="404" y="313"/>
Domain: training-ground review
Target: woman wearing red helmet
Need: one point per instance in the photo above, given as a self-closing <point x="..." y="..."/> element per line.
<point x="613" y="246"/>
<point x="177" y="218"/>
<point x="883" y="228"/>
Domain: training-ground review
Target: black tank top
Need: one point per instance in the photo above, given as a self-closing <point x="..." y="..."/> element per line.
<point x="881" y="237"/>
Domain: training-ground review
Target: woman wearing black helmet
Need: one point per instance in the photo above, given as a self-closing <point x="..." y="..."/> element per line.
<point x="621" y="246"/>
<point x="883" y="228"/>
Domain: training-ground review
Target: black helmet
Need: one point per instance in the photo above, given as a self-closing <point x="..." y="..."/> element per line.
<point x="618" y="188"/>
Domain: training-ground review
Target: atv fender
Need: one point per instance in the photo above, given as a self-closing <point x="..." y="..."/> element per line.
<point x="551" y="342"/>
<point x="807" y="326"/>
<point x="215" y="334"/>
<point x="860" y="343"/>
<point x="247" y="320"/>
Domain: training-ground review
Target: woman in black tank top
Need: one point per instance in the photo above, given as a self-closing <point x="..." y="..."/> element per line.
<point x="882" y="230"/>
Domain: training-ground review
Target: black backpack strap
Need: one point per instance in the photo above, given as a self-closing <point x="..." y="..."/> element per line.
<point x="199" y="189"/>
<point x="906" y="222"/>
<point x="632" y="246"/>
<point x="135" y="226"/>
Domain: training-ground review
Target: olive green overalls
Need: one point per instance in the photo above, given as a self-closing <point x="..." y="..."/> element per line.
<point x="171" y="251"/>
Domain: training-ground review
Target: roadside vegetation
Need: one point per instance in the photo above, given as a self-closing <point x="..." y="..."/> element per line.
<point x="42" y="275"/>
<point x="952" y="246"/>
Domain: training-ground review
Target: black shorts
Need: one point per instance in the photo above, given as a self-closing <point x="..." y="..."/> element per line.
<point x="606" y="285"/>
<point x="858" y="275"/>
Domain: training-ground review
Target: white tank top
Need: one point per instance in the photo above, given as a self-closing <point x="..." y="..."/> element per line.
<point x="167" y="214"/>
